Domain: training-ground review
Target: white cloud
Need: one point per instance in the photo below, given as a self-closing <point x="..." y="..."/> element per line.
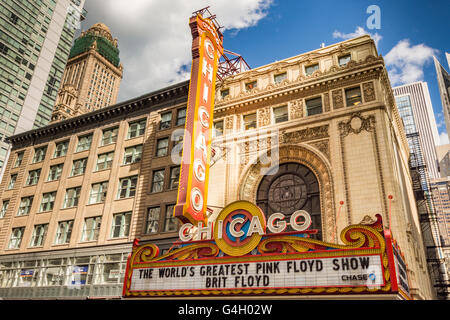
<point x="359" y="31"/>
<point x="154" y="36"/>
<point x="443" y="138"/>
<point x="405" y="62"/>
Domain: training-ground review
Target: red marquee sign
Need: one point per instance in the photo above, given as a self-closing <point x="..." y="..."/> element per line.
<point x="193" y="185"/>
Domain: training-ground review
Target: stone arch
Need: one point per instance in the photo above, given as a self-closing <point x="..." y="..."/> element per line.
<point x="309" y="157"/>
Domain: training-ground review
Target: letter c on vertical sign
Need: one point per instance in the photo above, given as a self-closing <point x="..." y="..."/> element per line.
<point x="209" y="48"/>
<point x="203" y="116"/>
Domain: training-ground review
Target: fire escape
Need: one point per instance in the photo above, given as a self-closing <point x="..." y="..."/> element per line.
<point x="428" y="219"/>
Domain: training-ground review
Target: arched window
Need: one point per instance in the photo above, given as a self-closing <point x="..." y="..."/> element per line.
<point x="293" y="187"/>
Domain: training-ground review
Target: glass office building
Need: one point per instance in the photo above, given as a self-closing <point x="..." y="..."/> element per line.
<point x="35" y="41"/>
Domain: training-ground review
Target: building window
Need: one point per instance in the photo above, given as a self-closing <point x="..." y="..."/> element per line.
<point x="64" y="232"/>
<point x="158" y="181"/>
<point x="39" y="233"/>
<point x="39" y="154"/>
<point x="136" y="129"/>
<point x="280" y="114"/>
<point x="250" y="85"/>
<point x="55" y="172"/>
<point x="132" y="154"/>
<point x="33" y="177"/>
<point x="79" y="167"/>
<point x="174" y="177"/>
<point x="71" y="197"/>
<point x="48" y="201"/>
<point x="61" y="149"/>
<point x="121" y="225"/>
<point x="278" y="78"/>
<point x="5" y="205"/>
<point x="353" y="96"/>
<point x="91" y="229"/>
<point x="224" y="93"/>
<point x="109" y="136"/>
<point x="309" y="70"/>
<point x="218" y="128"/>
<point x="166" y="120"/>
<point x="104" y="161"/>
<point x="314" y="106"/>
<point x="84" y="143"/>
<point x="250" y="121"/>
<point x="12" y="181"/>
<point x="343" y="60"/>
<point x="181" y="116"/>
<point x="162" y="147"/>
<point x="25" y="206"/>
<point x="170" y="222"/>
<point x="98" y="192"/>
<point x="127" y="187"/>
<point x="152" y="220"/>
<point x="19" y="159"/>
<point x="16" y="238"/>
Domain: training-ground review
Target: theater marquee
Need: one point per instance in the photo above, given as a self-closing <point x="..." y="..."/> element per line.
<point x="265" y="262"/>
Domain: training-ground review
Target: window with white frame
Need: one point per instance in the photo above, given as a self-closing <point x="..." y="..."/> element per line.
<point x="181" y="116"/>
<point x="170" y="222"/>
<point x="280" y="114"/>
<point x="71" y="197"/>
<point x="61" y="149"/>
<point x="218" y="128"/>
<point x="12" y="181"/>
<point x="314" y="106"/>
<point x="79" y="167"/>
<point x="127" y="187"/>
<point x="278" y="78"/>
<point x="91" y="228"/>
<point x="166" y="120"/>
<point x="136" y="128"/>
<point x="25" y="206"/>
<point x="353" y="96"/>
<point x="132" y="154"/>
<point x="84" y="143"/>
<point x="250" y="121"/>
<point x="309" y="70"/>
<point x="174" y="177"/>
<point x="121" y="225"/>
<point x="16" y="238"/>
<point x="104" y="161"/>
<point x="5" y="205"/>
<point x="98" y="192"/>
<point x="39" y="154"/>
<point x="48" y="201"/>
<point x="152" y="222"/>
<point x="343" y="60"/>
<point x="109" y="136"/>
<point x="63" y="232"/>
<point x="55" y="172"/>
<point x="19" y="159"/>
<point x="162" y="147"/>
<point x="158" y="181"/>
<point x="33" y="177"/>
<point x="39" y="233"/>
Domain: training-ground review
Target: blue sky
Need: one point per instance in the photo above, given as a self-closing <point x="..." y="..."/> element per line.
<point x="155" y="40"/>
<point x="292" y="27"/>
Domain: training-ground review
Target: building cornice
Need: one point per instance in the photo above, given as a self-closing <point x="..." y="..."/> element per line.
<point x="147" y="102"/>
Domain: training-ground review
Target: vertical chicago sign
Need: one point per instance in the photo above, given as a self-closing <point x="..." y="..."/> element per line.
<point x="193" y="185"/>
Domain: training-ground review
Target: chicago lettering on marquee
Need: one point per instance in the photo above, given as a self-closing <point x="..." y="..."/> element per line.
<point x="193" y="184"/>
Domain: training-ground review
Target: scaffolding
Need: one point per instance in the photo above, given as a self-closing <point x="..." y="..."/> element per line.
<point x="230" y="63"/>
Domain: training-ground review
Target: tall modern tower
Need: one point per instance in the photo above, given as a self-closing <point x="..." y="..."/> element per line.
<point x="35" y="41"/>
<point x="416" y="97"/>
<point x="92" y="76"/>
<point x="444" y="88"/>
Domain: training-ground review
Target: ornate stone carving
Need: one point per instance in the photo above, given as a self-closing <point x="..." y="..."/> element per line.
<point x="326" y="102"/>
<point x="229" y="123"/>
<point x="304" y="135"/>
<point x="323" y="146"/>
<point x="338" y="100"/>
<point x="263" y="117"/>
<point x="369" y="91"/>
<point x="296" y="109"/>
<point x="356" y="124"/>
